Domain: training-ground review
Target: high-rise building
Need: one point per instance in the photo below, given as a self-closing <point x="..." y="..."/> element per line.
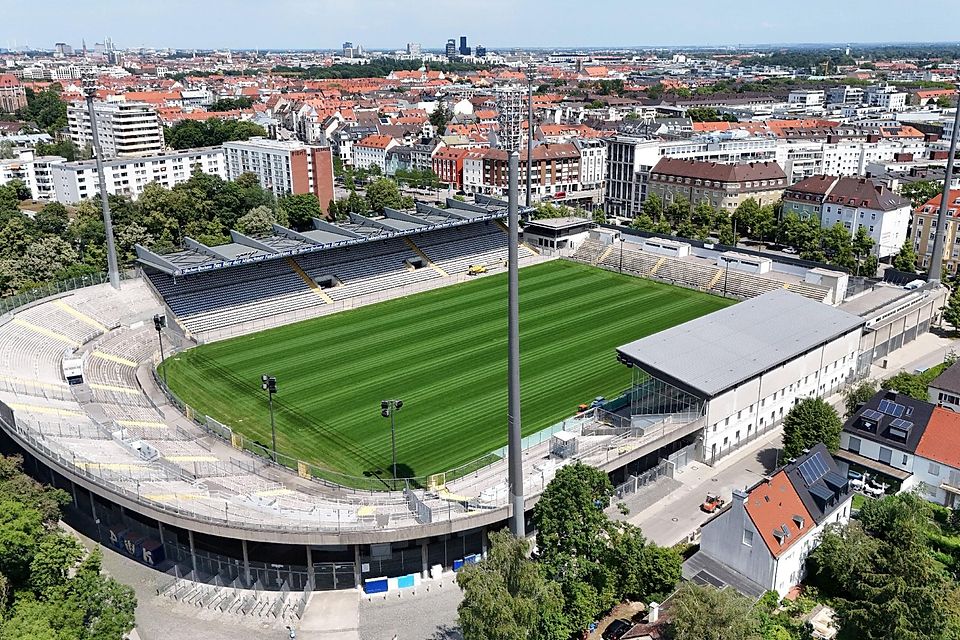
<point x="348" y="50"/>
<point x="481" y="51"/>
<point x="284" y="167"/>
<point x="511" y="110"/>
<point x="125" y="129"/>
<point x="464" y="49"/>
<point x="451" y="48"/>
<point x="62" y="49"/>
<point x="413" y="48"/>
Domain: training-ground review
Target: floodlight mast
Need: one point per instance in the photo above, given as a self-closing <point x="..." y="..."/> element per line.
<point x="90" y="90"/>
<point x="515" y="468"/>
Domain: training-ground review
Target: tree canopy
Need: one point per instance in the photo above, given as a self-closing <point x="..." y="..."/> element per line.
<point x="702" y="612"/>
<point x="231" y="104"/>
<point x="190" y="134"/>
<point x="808" y="422"/>
<point x="52" y="587"/>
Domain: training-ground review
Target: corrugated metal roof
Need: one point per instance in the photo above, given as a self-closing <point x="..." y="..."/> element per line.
<point x="720" y="350"/>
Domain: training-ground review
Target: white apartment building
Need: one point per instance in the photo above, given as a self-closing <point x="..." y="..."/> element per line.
<point x="851" y="157"/>
<point x="807" y="98"/>
<point x="76" y="181"/>
<point x="34" y="171"/>
<point x="886" y="97"/>
<point x="125" y="129"/>
<point x="593" y="162"/>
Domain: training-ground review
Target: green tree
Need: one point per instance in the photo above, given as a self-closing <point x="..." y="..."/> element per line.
<point x="643" y="222"/>
<point x="384" y="193"/>
<point x="906" y="258"/>
<point x="808" y="422"/>
<point x="6" y="150"/>
<point x="20" y="189"/>
<point x="906" y="383"/>
<point x="46" y="110"/>
<point x="231" y="104"/>
<point x="951" y="311"/>
<point x="188" y="134"/>
<point x="258" y="221"/>
<point x="65" y="149"/>
<point x="43" y="259"/>
<point x="678" y="211"/>
<point x="856" y="396"/>
<point x="702" y="612"/>
<point x="53" y="219"/>
<point x="882" y="575"/>
<point x="440" y="117"/>
<point x="747" y="218"/>
<point x="506" y="596"/>
<point x="653" y="206"/>
<point x="573" y="538"/>
<point x="837" y="242"/>
<point x="921" y="191"/>
<point x="599" y="216"/>
<point x="300" y="209"/>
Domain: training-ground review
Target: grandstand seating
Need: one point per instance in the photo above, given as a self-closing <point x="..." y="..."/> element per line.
<point x="220" y="298"/>
<point x="694" y="274"/>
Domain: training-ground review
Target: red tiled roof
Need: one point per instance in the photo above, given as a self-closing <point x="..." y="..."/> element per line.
<point x="720" y="172"/>
<point x="941" y="439"/>
<point x="8" y="80"/>
<point x="376" y="142"/>
<point x="771" y="505"/>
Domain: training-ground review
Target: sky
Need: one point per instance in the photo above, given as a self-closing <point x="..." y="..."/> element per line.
<point x="390" y="24"/>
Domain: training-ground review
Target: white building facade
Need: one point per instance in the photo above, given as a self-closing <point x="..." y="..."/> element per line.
<point x="77" y="181"/>
<point x="125" y="129"/>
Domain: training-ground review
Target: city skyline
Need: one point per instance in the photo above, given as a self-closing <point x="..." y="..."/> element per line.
<point x="291" y="24"/>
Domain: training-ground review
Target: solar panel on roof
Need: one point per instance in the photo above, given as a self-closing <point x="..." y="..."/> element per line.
<point x="872" y="414"/>
<point x="835" y="480"/>
<point x="892" y="408"/>
<point x="813" y="468"/>
<point x="900" y="423"/>
<point x="820" y="491"/>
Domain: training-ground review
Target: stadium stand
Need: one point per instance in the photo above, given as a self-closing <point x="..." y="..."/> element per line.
<point x="691" y="273"/>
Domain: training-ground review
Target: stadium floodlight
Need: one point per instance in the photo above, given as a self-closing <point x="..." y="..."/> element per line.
<point x="936" y="259"/>
<point x="269" y="384"/>
<point x="159" y="322"/>
<point x="530" y="71"/>
<point x="387" y="409"/>
<point x="90" y="90"/>
<point x="514" y="451"/>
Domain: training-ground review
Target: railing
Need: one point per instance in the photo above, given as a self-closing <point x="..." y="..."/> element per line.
<point x="11" y="303"/>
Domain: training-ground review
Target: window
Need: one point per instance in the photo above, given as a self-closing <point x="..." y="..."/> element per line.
<point x="885" y="455"/>
<point x="854" y="445"/>
<point x="748" y="537"/>
<point x="904" y="460"/>
<point x="934" y="469"/>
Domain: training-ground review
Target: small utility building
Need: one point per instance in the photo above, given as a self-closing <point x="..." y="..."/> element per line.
<point x="557" y="236"/>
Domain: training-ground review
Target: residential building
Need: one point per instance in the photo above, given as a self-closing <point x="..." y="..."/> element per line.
<point x="807" y="98"/>
<point x="34" y="171"/>
<point x="906" y="444"/>
<point x="593" y="162"/>
<point x="854" y="203"/>
<point x="724" y="186"/>
<point x="451" y="48"/>
<point x="845" y="95"/>
<point x="372" y="151"/>
<point x="283" y="166"/>
<point x="761" y="541"/>
<point x="556" y="171"/>
<point x="448" y="165"/>
<point x="76" y="181"/>
<point x="13" y="96"/>
<point x="924" y="223"/>
<point x="413" y="49"/>
<point x="886" y="97"/>
<point x="125" y="129"/>
<point x="945" y="389"/>
<point x="629" y="160"/>
<point x="398" y="158"/>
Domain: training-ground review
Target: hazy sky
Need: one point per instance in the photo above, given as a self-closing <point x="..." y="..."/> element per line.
<point x="494" y="23"/>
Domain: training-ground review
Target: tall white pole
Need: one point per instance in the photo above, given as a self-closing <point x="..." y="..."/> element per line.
<point x="112" y="271"/>
<point x="515" y="477"/>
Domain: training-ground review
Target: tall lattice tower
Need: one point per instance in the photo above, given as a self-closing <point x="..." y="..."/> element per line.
<point x="511" y="108"/>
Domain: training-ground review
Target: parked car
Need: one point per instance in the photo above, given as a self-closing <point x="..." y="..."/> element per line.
<point x="790" y="250"/>
<point x="599" y="401"/>
<point x="712" y="503"/>
<point x="854" y="475"/>
<point x="616" y="629"/>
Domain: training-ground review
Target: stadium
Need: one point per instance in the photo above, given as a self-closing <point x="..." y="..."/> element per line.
<point x="169" y="457"/>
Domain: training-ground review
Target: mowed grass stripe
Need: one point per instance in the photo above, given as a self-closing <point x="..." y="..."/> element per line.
<point x="444" y="353"/>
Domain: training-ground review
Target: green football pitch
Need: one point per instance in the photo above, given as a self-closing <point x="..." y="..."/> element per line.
<point x="444" y="353"/>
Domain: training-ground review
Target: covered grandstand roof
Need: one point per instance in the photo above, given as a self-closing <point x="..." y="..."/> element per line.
<point x="197" y="257"/>
<point x="714" y="353"/>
